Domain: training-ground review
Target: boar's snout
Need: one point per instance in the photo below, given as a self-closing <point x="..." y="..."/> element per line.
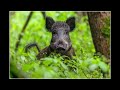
<point x="60" y="48"/>
<point x="61" y="45"/>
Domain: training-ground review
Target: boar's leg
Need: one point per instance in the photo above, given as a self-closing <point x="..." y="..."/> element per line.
<point x="45" y="52"/>
<point x="31" y="45"/>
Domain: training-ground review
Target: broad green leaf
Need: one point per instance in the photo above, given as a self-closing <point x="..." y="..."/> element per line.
<point x="103" y="66"/>
<point x="93" y="67"/>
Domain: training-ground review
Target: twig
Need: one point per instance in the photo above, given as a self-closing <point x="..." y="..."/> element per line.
<point x="24" y="27"/>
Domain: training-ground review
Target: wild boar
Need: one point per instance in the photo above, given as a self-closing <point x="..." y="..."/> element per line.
<point x="60" y="41"/>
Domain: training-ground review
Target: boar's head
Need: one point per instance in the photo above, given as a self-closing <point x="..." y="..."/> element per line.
<point x="60" y="41"/>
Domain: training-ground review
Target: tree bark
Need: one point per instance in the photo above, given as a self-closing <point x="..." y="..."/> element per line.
<point x="100" y="24"/>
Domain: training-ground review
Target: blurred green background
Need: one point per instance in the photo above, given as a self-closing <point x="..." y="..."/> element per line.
<point x="83" y="65"/>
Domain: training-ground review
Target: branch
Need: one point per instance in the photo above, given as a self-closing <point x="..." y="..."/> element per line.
<point x="24" y="27"/>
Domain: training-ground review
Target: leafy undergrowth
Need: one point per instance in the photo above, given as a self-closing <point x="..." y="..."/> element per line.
<point x="84" y="65"/>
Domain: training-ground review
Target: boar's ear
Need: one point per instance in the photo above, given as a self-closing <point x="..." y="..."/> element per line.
<point x="71" y="22"/>
<point x="49" y="23"/>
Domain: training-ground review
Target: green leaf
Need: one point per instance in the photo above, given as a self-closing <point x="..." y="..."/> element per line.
<point x="103" y="66"/>
<point x="47" y="62"/>
<point x="93" y="67"/>
<point x="63" y="65"/>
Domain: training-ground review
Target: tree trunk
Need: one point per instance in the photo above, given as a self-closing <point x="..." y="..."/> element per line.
<point x="100" y="29"/>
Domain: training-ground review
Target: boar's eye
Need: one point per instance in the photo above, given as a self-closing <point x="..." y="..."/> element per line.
<point x="54" y="32"/>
